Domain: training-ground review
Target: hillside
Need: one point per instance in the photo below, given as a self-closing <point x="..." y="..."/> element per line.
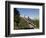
<point x="26" y="23"/>
<point x="23" y="24"/>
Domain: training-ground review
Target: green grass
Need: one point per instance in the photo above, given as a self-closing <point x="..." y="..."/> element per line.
<point x="22" y="24"/>
<point x="36" y="22"/>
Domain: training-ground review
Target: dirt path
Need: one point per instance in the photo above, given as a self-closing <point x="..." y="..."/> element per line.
<point x="31" y="25"/>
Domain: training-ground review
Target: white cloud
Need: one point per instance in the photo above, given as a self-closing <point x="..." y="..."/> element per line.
<point x="33" y="18"/>
<point x="26" y="16"/>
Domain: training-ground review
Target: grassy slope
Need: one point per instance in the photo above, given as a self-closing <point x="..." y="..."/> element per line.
<point x="23" y="24"/>
<point x="36" y="22"/>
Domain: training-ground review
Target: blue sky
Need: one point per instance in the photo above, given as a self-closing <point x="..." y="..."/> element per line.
<point x="29" y="12"/>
